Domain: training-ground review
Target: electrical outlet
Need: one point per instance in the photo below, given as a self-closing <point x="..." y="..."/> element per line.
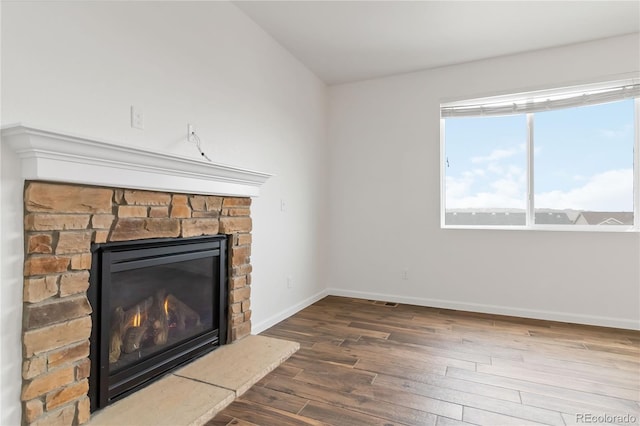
<point x="405" y="274"/>
<point x="137" y="118"/>
<point x="283" y="205"/>
<point x="289" y="282"/>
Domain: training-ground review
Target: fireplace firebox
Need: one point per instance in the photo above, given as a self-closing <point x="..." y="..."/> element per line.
<point x="157" y="304"/>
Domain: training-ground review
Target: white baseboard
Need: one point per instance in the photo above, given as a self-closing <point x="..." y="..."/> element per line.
<point x="274" y="319"/>
<point x="492" y="309"/>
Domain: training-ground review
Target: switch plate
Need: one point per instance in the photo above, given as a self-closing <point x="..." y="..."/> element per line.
<point x="137" y="118"/>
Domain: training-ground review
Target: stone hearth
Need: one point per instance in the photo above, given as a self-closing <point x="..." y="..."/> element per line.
<point x="192" y="395"/>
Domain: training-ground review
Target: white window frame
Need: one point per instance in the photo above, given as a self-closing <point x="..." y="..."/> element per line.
<point x="530" y="208"/>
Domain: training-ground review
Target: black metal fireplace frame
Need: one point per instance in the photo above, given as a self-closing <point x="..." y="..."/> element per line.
<point x="106" y="388"/>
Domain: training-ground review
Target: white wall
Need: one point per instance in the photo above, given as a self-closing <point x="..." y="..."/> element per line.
<point x="79" y="66"/>
<point x="385" y="209"/>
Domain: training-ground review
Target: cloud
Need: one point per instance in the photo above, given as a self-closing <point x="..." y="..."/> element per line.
<point x="508" y="187"/>
<point x="504" y="185"/>
<point x="458" y="187"/>
<point x="495" y="181"/>
<point x="484" y="200"/>
<point x="616" y="133"/>
<point x="495" y="155"/>
<point x="495" y="168"/>
<point x="608" y="191"/>
<point x="506" y="192"/>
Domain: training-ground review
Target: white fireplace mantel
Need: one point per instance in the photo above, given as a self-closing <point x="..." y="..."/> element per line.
<point x="59" y="157"/>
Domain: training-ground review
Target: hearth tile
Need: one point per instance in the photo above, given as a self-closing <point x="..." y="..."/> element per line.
<point x="170" y="401"/>
<point x="240" y="365"/>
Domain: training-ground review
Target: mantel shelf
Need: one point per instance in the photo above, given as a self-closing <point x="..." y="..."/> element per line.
<point x="59" y="157"/>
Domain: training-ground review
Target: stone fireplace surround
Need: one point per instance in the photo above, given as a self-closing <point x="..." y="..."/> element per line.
<point x="66" y="210"/>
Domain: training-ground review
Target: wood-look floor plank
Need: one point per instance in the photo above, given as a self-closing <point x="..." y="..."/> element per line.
<point x="400" y="354"/>
<point x="543" y="389"/>
<point x="467" y="399"/>
<point x="452" y="352"/>
<point x="583" y="367"/>
<point x="519" y="344"/>
<point x="451" y="342"/>
<point x="239" y="422"/>
<point x="219" y="420"/>
<point x="567" y="406"/>
<point x="445" y="421"/>
<point x="340" y="380"/>
<point x="558" y="350"/>
<point x="447" y="382"/>
<point x="287" y="370"/>
<point x="332" y="355"/>
<point x="366" y="363"/>
<point x="559" y="381"/>
<point x="415" y="400"/>
<point x="616" y="349"/>
<point x="489" y="331"/>
<point x="358" y="403"/>
<point x="555" y="334"/>
<point x="333" y="330"/>
<point x="389" y="326"/>
<point x="514" y="347"/>
<point x="418" y="371"/>
<point x="487" y="418"/>
<point x="334" y="376"/>
<point x="460" y="317"/>
<point x="282" y="401"/>
<point x="340" y="416"/>
<point x="605" y="376"/>
<point x="308" y="363"/>
<point x="260" y="414"/>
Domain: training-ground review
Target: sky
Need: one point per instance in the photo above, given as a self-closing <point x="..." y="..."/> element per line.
<point x="583" y="159"/>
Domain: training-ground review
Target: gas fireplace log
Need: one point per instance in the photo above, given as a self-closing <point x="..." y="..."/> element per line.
<point x="115" y="343"/>
<point x="160" y="331"/>
<point x="148" y="320"/>
<point x="160" y="323"/>
<point x="182" y="312"/>
<point x="121" y="322"/>
<point x="134" y="337"/>
<point x="137" y="312"/>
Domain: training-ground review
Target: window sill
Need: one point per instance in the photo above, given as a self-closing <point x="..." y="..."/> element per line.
<point x="558" y="228"/>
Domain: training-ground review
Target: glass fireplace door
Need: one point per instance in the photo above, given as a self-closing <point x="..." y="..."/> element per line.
<point x="156" y="307"/>
<point x="160" y="303"/>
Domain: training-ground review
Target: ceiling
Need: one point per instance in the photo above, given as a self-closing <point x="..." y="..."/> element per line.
<point x="343" y="41"/>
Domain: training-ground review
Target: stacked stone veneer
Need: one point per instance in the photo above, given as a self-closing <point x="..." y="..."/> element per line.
<point x="61" y="221"/>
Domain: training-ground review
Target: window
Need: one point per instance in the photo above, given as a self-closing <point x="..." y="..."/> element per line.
<point x="561" y="159"/>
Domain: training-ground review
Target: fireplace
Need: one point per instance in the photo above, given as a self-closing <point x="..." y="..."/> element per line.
<point x="158" y="304"/>
<point x="83" y="191"/>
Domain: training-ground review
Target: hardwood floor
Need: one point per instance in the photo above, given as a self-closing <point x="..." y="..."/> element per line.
<point x="366" y="363"/>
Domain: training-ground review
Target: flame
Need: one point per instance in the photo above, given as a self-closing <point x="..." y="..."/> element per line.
<point x="166" y="307"/>
<point x="137" y="319"/>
